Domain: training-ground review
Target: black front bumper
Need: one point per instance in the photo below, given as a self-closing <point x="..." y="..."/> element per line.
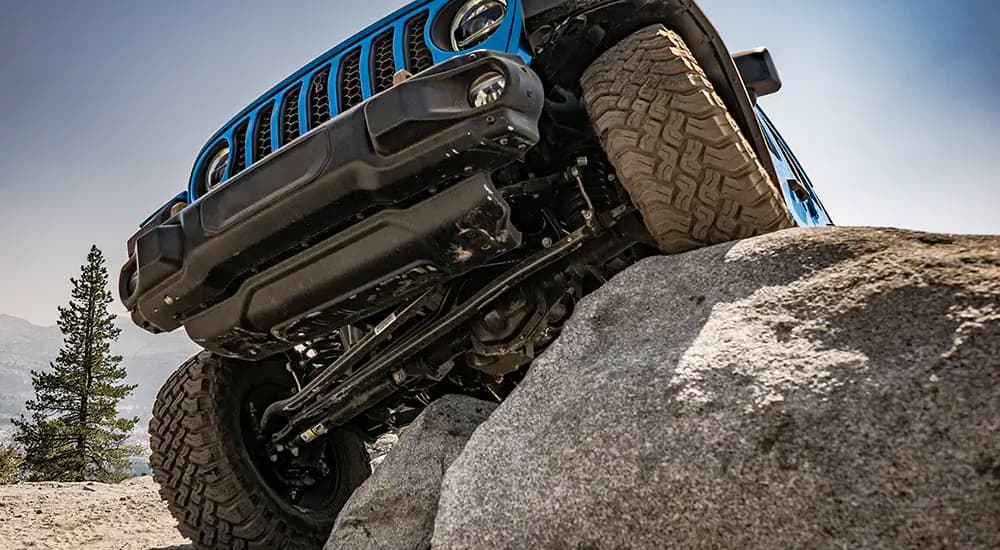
<point x="349" y="219"/>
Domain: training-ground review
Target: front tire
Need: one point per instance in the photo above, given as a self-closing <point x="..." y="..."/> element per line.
<point x="216" y="485"/>
<point x="688" y="169"/>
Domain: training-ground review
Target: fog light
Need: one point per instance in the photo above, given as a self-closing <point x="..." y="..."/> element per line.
<point x="486" y="89"/>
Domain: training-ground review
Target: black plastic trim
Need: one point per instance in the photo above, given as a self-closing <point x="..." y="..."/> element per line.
<point x="304" y="194"/>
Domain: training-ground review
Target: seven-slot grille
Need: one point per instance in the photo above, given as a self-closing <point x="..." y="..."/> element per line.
<point x="329" y="88"/>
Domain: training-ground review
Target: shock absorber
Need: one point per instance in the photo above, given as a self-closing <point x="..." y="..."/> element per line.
<point x="589" y="185"/>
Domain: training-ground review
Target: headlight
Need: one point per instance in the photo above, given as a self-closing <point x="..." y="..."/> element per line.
<point x="475" y="21"/>
<point x="216" y="169"/>
<point x="486" y="89"/>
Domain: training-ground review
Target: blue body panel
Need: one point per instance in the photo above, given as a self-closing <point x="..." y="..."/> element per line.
<point x="509" y="37"/>
<point x="806" y="211"/>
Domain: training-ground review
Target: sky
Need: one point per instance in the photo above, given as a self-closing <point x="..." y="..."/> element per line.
<point x="892" y="106"/>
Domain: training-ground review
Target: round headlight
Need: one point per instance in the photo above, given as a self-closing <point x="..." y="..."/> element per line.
<point x="475" y="21"/>
<point x="486" y="89"/>
<point x="216" y="169"/>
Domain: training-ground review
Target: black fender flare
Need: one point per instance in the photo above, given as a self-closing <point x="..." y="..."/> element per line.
<point x="544" y="19"/>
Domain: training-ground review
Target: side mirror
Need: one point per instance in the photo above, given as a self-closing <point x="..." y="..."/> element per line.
<point x="759" y="74"/>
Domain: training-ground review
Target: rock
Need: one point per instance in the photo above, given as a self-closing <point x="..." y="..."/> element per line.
<point x="395" y="507"/>
<point x="381" y="447"/>
<point x="831" y="388"/>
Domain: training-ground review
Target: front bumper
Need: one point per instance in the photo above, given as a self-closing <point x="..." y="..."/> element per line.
<point x="349" y="219"/>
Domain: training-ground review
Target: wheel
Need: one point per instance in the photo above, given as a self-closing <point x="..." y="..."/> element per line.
<point x="215" y="474"/>
<point x="680" y="155"/>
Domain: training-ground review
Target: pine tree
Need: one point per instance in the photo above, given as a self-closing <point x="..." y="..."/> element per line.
<point x="74" y="433"/>
<point x="11" y="459"/>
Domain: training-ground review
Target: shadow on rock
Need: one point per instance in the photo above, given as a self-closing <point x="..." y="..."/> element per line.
<point x="810" y="388"/>
<point x="395" y="507"/>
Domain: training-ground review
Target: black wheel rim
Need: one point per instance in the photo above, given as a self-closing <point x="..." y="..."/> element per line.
<point x="298" y="484"/>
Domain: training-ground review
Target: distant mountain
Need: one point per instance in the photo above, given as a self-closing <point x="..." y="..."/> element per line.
<point x="148" y="359"/>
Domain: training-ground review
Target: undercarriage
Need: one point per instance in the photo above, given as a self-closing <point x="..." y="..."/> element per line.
<point x="474" y="335"/>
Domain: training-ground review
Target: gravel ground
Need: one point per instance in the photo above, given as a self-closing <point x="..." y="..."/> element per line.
<point x="124" y="516"/>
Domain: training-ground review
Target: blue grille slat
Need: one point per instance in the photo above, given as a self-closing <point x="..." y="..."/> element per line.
<point x="331" y="87"/>
<point x="276" y="121"/>
<point x="365" y="69"/>
<point x="249" y="141"/>
<point x="304" y="116"/>
<point x="409" y="43"/>
<point x="398" y="44"/>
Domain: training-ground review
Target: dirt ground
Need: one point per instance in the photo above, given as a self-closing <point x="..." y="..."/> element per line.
<point x="124" y="516"/>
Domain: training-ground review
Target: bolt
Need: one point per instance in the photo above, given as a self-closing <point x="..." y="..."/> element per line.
<point x="490" y="119"/>
<point x="546" y="242"/>
<point x="504" y="141"/>
<point x="169" y="300"/>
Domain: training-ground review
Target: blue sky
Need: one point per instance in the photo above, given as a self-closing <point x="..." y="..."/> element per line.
<point x="891" y="105"/>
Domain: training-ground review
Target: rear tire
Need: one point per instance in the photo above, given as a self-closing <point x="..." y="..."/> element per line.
<point x="220" y="496"/>
<point x="689" y="170"/>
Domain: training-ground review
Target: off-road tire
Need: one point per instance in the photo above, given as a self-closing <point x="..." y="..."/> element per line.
<point x="688" y="169"/>
<point x="205" y="474"/>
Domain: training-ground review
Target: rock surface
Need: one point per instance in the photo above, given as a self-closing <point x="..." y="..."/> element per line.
<point x="96" y="516"/>
<point x="394" y="509"/>
<point x="833" y="388"/>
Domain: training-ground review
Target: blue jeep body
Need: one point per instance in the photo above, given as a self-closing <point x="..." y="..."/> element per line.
<point x="407" y="33"/>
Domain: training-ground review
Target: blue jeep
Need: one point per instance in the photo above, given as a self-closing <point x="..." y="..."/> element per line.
<point x="416" y="212"/>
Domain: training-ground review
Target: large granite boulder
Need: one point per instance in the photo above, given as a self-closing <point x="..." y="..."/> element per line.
<point x="832" y="388"/>
<point x="394" y="509"/>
